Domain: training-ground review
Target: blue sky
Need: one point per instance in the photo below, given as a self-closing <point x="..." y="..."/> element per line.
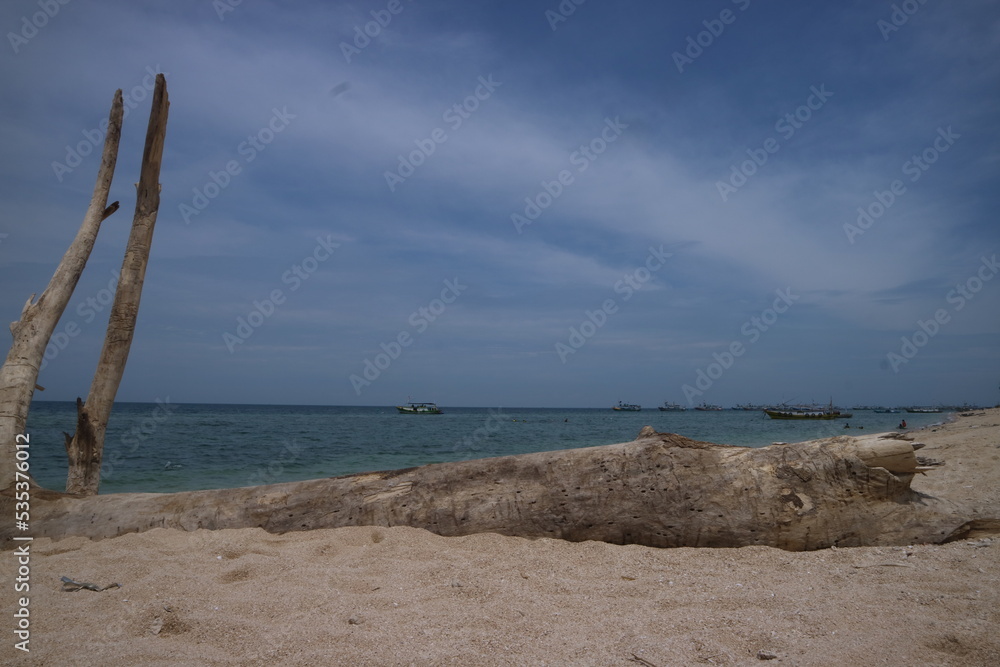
<point x="509" y="204"/>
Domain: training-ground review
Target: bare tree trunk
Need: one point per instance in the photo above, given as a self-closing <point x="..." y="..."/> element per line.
<point x="38" y="320"/>
<point x="86" y="447"/>
<point x="660" y="490"/>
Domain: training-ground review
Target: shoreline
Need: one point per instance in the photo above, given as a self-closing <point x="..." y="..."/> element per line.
<point x="970" y="448"/>
<point x="303" y="445"/>
<point x="386" y="596"/>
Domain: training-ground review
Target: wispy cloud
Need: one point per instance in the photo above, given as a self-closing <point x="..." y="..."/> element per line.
<point x="350" y="121"/>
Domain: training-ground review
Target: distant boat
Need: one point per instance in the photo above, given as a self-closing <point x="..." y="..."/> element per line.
<point x="705" y="407"/>
<point x="627" y="407"/>
<point x="419" y="409"/>
<point x="748" y="407"/>
<point x="886" y="411"/>
<point x="672" y="407"/>
<point x="929" y="411"/>
<point x="810" y="412"/>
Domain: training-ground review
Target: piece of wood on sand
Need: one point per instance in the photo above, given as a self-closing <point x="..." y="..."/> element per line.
<point x="660" y="490"/>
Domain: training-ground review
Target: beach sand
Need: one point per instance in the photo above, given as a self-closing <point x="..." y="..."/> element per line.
<point x="403" y="596"/>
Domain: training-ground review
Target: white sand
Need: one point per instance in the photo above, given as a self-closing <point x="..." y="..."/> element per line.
<point x="401" y="596"/>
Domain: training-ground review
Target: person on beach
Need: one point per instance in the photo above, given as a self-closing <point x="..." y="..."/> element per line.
<point x="902" y="424"/>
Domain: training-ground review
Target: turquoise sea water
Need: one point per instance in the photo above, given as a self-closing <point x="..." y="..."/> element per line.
<point x="162" y="447"/>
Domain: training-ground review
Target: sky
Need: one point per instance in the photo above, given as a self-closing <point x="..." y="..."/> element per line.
<point x="520" y="204"/>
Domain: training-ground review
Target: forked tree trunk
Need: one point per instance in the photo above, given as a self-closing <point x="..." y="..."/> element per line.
<point x="38" y="320"/>
<point x="85" y="448"/>
<point x="660" y="490"/>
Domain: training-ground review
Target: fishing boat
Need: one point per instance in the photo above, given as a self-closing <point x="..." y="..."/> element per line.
<point x="807" y="412"/>
<point x="924" y="411"/>
<point x="705" y="407"/>
<point x="886" y="411"/>
<point x="419" y="409"/>
<point x="672" y="407"/>
<point x="627" y="407"/>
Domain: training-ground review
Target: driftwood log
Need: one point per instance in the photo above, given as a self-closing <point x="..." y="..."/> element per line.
<point x="661" y="490"/>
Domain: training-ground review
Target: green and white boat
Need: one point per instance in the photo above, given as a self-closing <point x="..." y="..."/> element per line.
<point x="807" y="412"/>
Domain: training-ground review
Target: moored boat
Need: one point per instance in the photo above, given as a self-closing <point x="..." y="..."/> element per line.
<point x="672" y="407"/>
<point x="807" y="412"/>
<point x="705" y="407"/>
<point x="419" y="409"/>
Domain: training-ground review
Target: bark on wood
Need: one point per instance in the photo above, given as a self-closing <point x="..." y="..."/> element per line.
<point x="85" y="448"/>
<point x="38" y="320"/>
<point x="660" y="490"/>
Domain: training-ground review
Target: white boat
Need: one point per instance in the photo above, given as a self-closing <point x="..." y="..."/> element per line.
<point x="419" y="409"/>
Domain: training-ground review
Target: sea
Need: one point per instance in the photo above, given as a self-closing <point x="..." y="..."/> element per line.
<point x="164" y="447"/>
